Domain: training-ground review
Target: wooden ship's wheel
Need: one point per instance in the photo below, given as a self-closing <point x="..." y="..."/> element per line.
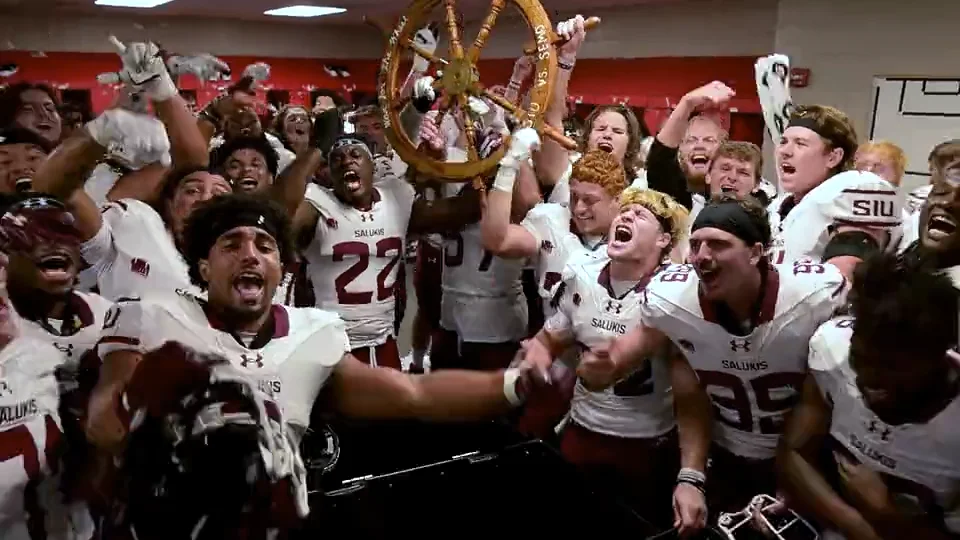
<point x="459" y="80"/>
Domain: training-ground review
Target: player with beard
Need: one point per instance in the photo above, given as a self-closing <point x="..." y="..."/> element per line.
<point x="236" y="246"/>
<point x="352" y="237"/>
<point x="624" y="436"/>
<point x="824" y="212"/>
<point x="886" y="406"/>
<point x="743" y="325"/>
<point x="32" y="504"/>
<point x="21" y="153"/>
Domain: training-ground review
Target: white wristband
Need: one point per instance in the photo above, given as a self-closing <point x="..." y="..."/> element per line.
<point x="506" y="176"/>
<point x="510" y="377"/>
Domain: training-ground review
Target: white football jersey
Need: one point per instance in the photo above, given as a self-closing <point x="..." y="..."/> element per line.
<point x="920" y="463"/>
<point x="354" y="256"/>
<point x="31" y="438"/>
<point x="849" y="198"/>
<point x="753" y="379"/>
<point x="290" y="365"/>
<point x="483" y="299"/>
<point x="641" y="405"/>
<point x="549" y="223"/>
<point x="133" y="253"/>
<point x="78" y="335"/>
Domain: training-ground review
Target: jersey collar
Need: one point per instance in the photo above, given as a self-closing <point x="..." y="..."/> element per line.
<point x="763" y="311"/>
<point x="604" y="280"/>
<point x="77" y="315"/>
<point x="277" y="326"/>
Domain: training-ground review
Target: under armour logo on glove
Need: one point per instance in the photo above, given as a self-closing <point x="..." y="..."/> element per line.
<point x="740" y="345"/>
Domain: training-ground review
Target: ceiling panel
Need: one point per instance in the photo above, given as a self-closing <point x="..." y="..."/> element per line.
<point x="253" y="9"/>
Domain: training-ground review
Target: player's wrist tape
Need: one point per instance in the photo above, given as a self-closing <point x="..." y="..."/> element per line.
<point x="507" y="175"/>
<point x="510" y="379"/>
<point x="694" y="478"/>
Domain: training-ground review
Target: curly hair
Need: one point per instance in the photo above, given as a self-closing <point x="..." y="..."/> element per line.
<point x="755" y="211"/>
<point x="220" y="155"/>
<point x="202" y="225"/>
<point x="835" y="128"/>
<point x="634" y="135"/>
<point x="601" y="168"/>
<point x="890" y="300"/>
<point x="672" y="215"/>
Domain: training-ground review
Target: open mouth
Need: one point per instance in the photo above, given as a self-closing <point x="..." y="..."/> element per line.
<point x="606" y="146"/>
<point x="622" y="234"/>
<point x="708" y="276"/>
<point x="351" y="179"/>
<point x="56" y="266"/>
<point x="727" y="188"/>
<point x="940" y="226"/>
<point x="23" y="184"/>
<point x="699" y="160"/>
<point x="300" y="130"/>
<point x="247" y="184"/>
<point x="249" y="285"/>
<point x="786" y="168"/>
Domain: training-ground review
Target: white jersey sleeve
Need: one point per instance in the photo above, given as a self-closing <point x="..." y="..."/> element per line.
<point x="126" y="326"/>
<point x="304" y="373"/>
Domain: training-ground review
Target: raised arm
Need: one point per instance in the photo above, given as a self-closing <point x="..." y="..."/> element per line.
<point x="498" y="234"/>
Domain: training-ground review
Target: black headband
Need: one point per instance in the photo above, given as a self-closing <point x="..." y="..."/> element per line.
<point x="244" y="218"/>
<point x="809" y="123"/>
<point x="730" y="217"/>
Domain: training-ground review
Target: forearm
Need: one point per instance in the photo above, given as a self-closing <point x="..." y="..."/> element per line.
<point x="810" y="493"/>
<point x="410" y="120"/>
<point x="495" y="220"/>
<point x="291" y="185"/>
<point x="694" y="425"/>
<point x="455" y="395"/>
<point x="671" y="134"/>
<point x="188" y="145"/>
<point x="66" y="169"/>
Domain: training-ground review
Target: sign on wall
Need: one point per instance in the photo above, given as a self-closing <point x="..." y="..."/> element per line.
<point x="916" y="114"/>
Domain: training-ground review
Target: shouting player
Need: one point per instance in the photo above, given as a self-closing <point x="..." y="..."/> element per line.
<point x="883" y="395"/>
<point x="623" y="436"/>
<point x="743" y="325"/>
<point x="826" y="213"/>
<point x="354" y="237"/>
<point x="237" y="245"/>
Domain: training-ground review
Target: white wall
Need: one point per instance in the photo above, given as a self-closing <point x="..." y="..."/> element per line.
<point x="216" y="36"/>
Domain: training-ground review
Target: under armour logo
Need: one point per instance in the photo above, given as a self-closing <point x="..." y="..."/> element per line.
<point x="5" y="389"/>
<point x="740" y="345"/>
<point x="65" y="349"/>
<point x="366" y="217"/>
<point x="613" y="306"/>
<point x="884" y="431"/>
<point x="245" y="360"/>
<point x="546" y="246"/>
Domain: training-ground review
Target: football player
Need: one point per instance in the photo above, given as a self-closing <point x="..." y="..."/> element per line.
<point x="743" y="325"/>
<point x="883" y="396"/>
<point x="824" y="212"/>
<point x="21" y="152"/>
<point x="31" y="437"/>
<point x="354" y="238"/>
<point x="623" y="436"/>
<point x="935" y="222"/>
<point x="236" y="246"/>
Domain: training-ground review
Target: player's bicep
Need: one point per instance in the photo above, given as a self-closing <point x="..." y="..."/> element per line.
<point x="357" y="390"/>
<point x="809" y="421"/>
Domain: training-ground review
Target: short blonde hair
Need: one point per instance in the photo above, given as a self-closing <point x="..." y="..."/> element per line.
<point x="673" y="216"/>
<point x="889" y="151"/>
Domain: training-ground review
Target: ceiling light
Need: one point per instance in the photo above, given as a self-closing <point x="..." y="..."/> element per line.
<point x="304" y="11"/>
<point x="132" y="3"/>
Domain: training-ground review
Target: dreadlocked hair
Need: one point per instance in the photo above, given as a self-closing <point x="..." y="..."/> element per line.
<point x="635" y="135"/>
<point x="672" y="215"/>
<point x="601" y="168"/>
<point x="891" y="298"/>
<point x="201" y="226"/>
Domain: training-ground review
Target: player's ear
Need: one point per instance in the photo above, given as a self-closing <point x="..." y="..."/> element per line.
<point x="835" y="157"/>
<point x="203" y="266"/>
<point x="756" y="253"/>
<point x="663" y="240"/>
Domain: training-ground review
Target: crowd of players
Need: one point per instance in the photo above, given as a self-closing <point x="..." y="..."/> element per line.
<point x="183" y="290"/>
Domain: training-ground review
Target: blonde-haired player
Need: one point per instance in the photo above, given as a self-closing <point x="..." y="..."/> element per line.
<point x="882" y="158"/>
<point x="623" y="436"/>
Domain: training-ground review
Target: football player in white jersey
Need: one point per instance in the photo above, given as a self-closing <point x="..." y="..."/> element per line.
<point x="32" y="504"/>
<point x="353" y="238"/>
<point x="825" y="213"/>
<point x="623" y="436"/>
<point x="883" y="396"/>
<point x="743" y="325"/>
<point x="236" y="246"/>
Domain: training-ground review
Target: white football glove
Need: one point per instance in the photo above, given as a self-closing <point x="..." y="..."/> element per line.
<point x="424" y="95"/>
<point x="426" y="40"/>
<point x="135" y="139"/>
<point x="205" y="67"/>
<point x="773" y="89"/>
<point x="522" y="144"/>
<point x="258" y="72"/>
<point x="143" y="68"/>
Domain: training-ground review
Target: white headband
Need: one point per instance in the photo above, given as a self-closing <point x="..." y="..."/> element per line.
<point x="350" y="141"/>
